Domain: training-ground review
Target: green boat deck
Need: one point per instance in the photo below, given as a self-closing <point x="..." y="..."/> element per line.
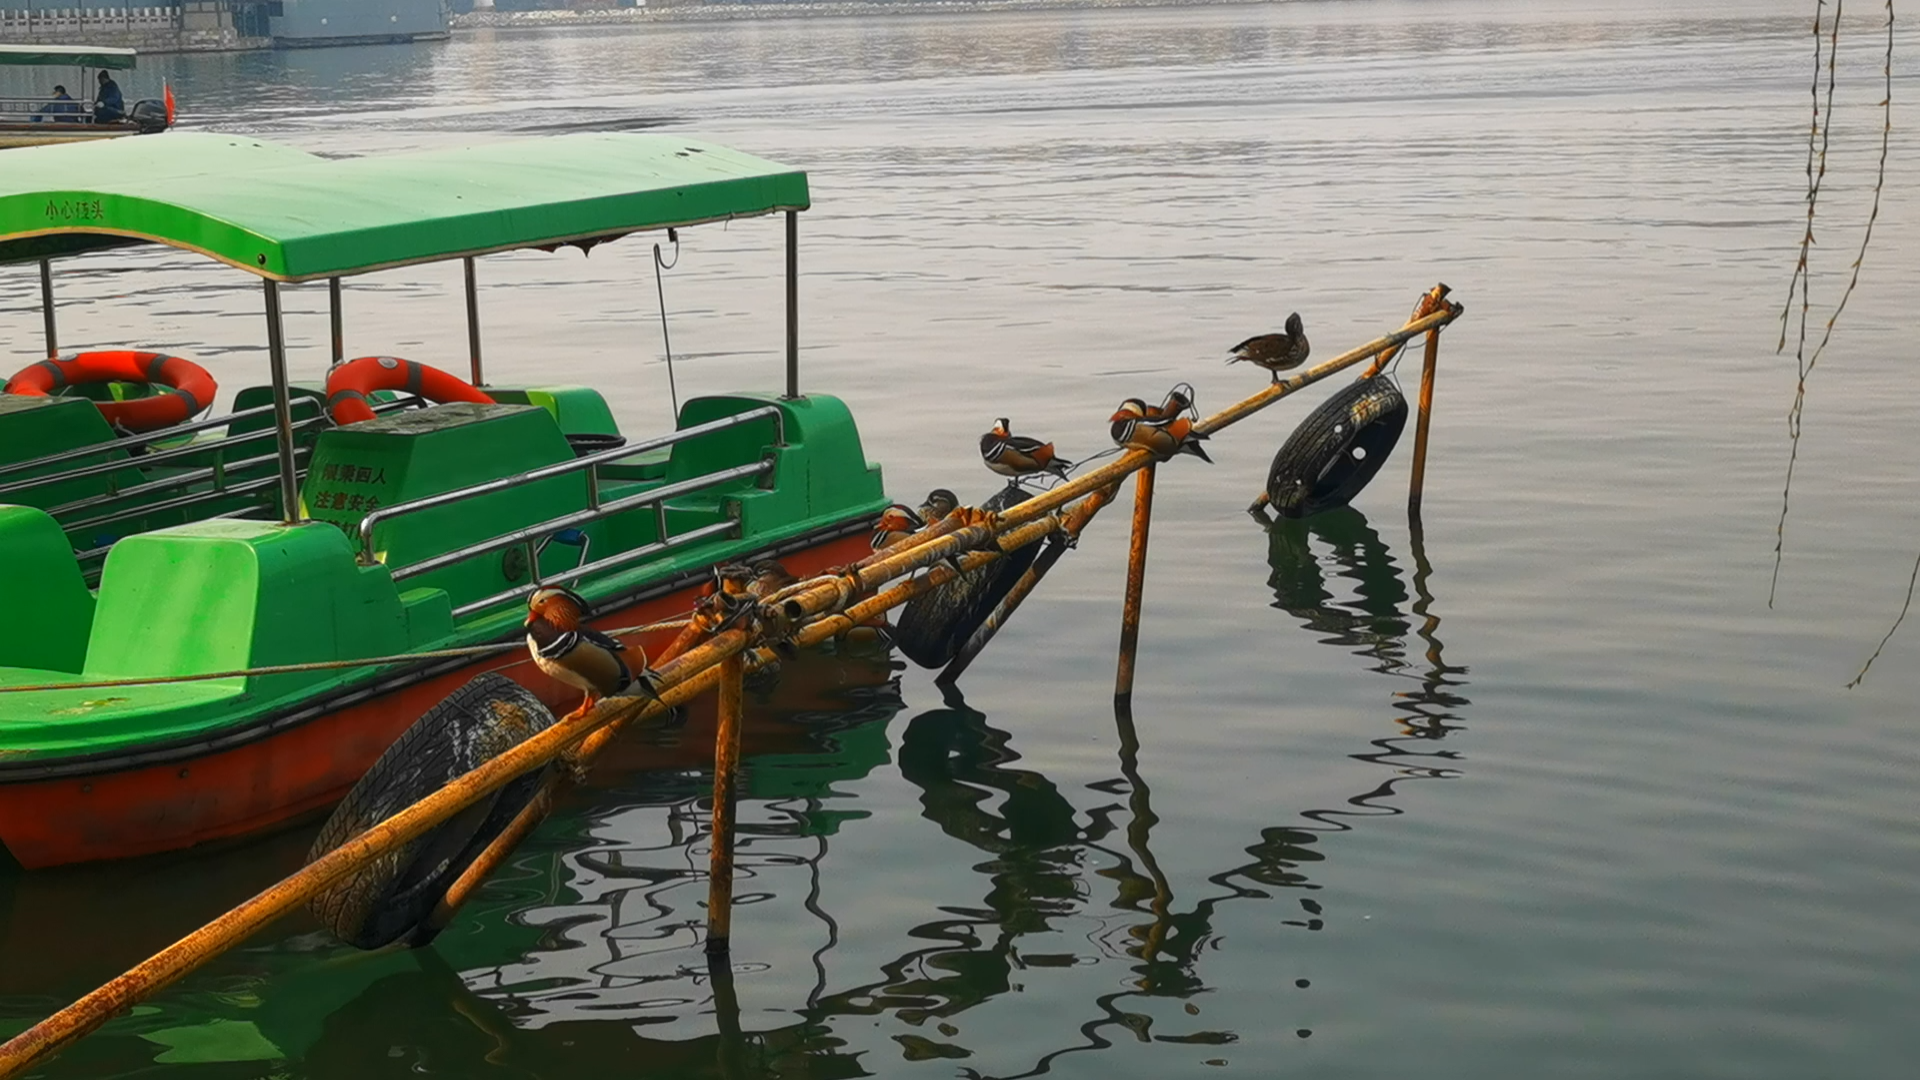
<point x="223" y="594"/>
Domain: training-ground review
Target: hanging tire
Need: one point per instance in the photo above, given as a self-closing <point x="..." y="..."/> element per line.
<point x="390" y="898"/>
<point x="932" y="628"/>
<point x="1337" y="449"/>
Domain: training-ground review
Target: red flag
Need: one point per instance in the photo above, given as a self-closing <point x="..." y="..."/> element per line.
<point x="168" y="87"/>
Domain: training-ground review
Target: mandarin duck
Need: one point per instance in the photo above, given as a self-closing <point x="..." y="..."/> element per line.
<point x="1016" y="456"/>
<point x="1133" y="430"/>
<point x="940" y="502"/>
<point x="897" y="522"/>
<point x="576" y="654"/>
<point x="1275" y="352"/>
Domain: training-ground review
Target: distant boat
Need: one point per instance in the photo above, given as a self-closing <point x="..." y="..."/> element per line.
<point x="41" y="121"/>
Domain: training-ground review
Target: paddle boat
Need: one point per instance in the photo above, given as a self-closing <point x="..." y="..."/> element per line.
<point x="47" y="120"/>
<point x="396" y="512"/>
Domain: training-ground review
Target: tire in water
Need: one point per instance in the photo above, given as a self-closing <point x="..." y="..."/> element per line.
<point x="932" y="628"/>
<point x="389" y="899"/>
<point x="1337" y="449"/>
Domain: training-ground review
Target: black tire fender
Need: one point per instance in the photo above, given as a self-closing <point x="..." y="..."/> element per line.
<point x="1337" y="449"/>
<point x="932" y="628"/>
<point x="389" y="899"/>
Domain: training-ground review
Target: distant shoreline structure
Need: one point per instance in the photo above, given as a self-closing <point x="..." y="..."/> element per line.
<point x="696" y="11"/>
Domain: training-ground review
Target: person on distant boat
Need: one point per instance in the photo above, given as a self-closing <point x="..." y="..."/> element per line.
<point x="62" y="108"/>
<point x="108" y="105"/>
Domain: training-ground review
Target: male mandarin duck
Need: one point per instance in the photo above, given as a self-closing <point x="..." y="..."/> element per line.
<point x="1132" y="429"/>
<point x="897" y="522"/>
<point x="1178" y="400"/>
<point x="576" y="654"/>
<point x="1275" y="352"/>
<point x="1017" y="456"/>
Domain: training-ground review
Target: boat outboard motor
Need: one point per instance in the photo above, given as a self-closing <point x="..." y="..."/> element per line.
<point x="150" y="114"/>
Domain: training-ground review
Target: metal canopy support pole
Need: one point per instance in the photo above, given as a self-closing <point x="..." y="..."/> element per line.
<point x="473" y="321"/>
<point x="46" y="307"/>
<point x="282" y="408"/>
<point x="726" y="766"/>
<point x="333" y="315"/>
<point x="793" y="303"/>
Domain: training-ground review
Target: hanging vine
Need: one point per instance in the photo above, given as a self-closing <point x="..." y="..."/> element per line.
<point x="1826" y="51"/>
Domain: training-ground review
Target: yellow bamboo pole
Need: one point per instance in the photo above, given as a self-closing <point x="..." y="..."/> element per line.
<point x="1136" y="582"/>
<point x="975" y="539"/>
<point x="726" y="767"/>
<point x="1417" y="484"/>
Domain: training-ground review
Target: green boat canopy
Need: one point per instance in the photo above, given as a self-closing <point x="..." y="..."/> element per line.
<point x="66" y="55"/>
<point x="287" y="215"/>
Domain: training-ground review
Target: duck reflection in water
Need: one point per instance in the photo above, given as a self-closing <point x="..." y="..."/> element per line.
<point x="584" y="955"/>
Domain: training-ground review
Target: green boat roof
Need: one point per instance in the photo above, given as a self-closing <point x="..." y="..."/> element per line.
<point x="287" y="215"/>
<point x="68" y="55"/>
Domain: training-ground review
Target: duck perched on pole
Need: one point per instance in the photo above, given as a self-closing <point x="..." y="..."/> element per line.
<point x="1018" y="457"/>
<point x="1275" y="352"/>
<point x="574" y="653"/>
<point x="1134" y="428"/>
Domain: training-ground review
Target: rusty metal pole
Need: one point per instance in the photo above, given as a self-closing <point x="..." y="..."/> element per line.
<point x="726" y="765"/>
<point x="1136" y="582"/>
<point x="473" y="321"/>
<point x="1418" y="482"/>
<point x="46" y="308"/>
<point x="333" y="319"/>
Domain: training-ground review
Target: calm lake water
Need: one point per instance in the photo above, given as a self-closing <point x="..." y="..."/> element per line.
<point x="1552" y="792"/>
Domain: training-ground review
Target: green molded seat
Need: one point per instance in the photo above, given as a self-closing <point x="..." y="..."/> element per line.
<point x="53" y="611"/>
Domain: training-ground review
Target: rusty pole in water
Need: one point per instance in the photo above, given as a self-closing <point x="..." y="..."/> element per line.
<point x="817" y="609"/>
<point x="726" y="768"/>
<point x="1136" y="582"/>
<point x="1416" y="485"/>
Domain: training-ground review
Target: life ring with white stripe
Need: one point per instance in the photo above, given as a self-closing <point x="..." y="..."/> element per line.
<point x="348" y="385"/>
<point x="185" y="387"/>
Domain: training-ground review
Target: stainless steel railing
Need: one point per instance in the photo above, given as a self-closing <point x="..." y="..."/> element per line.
<point x="590" y="464"/>
<point x="130" y="441"/>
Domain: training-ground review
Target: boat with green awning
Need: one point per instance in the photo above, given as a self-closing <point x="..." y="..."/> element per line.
<point x="356" y="519"/>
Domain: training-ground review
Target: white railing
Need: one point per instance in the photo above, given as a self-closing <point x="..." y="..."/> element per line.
<point x="20" y="20"/>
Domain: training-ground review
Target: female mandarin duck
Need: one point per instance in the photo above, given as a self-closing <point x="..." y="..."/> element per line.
<point x="1276" y="352"/>
<point x="576" y="654"/>
<point x="1017" y="456"/>
<point x="1134" y="429"/>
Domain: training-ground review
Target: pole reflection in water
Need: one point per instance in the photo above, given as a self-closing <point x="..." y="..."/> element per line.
<point x="586" y="950"/>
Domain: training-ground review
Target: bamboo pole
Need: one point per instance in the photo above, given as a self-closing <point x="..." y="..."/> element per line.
<point x="1136" y="583"/>
<point x="726" y="767"/>
<point x="821" y="608"/>
<point x="1417" y="483"/>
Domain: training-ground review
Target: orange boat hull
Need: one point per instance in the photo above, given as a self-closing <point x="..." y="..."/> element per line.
<point x="261" y="785"/>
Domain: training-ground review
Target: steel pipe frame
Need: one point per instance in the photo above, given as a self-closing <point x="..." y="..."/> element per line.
<point x="793" y="304"/>
<point x="830" y="604"/>
<point x="388" y="513"/>
<point x="567" y="521"/>
<point x="333" y="320"/>
<point x="46" y="308"/>
<point x="282" y="410"/>
<point x="473" y="320"/>
<point x="147" y="459"/>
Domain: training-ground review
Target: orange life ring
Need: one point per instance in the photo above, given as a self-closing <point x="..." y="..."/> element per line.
<point x="349" y="384"/>
<point x="188" y="389"/>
